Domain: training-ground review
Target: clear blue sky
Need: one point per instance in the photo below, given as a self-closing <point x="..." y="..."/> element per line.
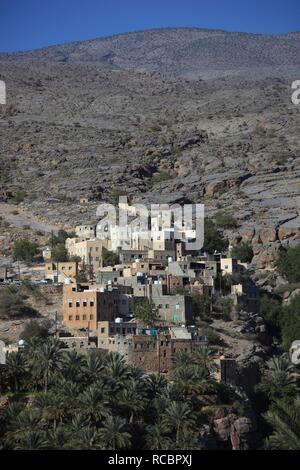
<point x="29" y="24"/>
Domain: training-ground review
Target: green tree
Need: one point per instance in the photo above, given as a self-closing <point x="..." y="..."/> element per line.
<point x="19" y="196"/>
<point x="60" y="238"/>
<point x="114" y="194"/>
<point x="113" y="433"/>
<point x="157" y="438"/>
<point x="109" y="258"/>
<point x="243" y="252"/>
<point x="272" y="313"/>
<point x="224" y="306"/>
<point x="17" y="369"/>
<point x="60" y="253"/>
<point x="47" y="359"/>
<point x="13" y="304"/>
<point x="213" y="240"/>
<point x="290" y="322"/>
<point x="145" y="311"/>
<point x="178" y="416"/>
<point x="284" y="417"/>
<point x="288" y="264"/>
<point x="35" y="329"/>
<point x="24" y="250"/>
<point x="279" y="379"/>
<point x="225" y="220"/>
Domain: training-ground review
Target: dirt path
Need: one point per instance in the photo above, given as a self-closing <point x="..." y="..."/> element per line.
<point x="18" y="216"/>
<point x="235" y="346"/>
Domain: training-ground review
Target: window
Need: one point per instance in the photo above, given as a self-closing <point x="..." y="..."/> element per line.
<point x="84" y="303"/>
<point x="91" y="303"/>
<point x="77" y="317"/>
<point x="70" y="303"/>
<point x="83" y="317"/>
<point x="70" y="317"/>
<point x="167" y="306"/>
<point x="102" y="330"/>
<point x="91" y="317"/>
<point x="77" y="303"/>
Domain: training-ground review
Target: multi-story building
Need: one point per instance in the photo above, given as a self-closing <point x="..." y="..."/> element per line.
<point x="151" y="349"/>
<point x="85" y="305"/>
<point x="246" y="295"/>
<point x="61" y="272"/>
<point x="174" y="309"/>
<point x="89" y="251"/>
<point x="86" y="231"/>
<point x="228" y="266"/>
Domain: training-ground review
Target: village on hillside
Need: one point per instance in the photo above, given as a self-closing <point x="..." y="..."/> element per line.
<point x="143" y="297"/>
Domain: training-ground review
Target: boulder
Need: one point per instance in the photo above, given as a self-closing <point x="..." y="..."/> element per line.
<point x="268" y="234"/>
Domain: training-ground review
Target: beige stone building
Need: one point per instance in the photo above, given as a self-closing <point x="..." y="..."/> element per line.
<point x="85" y="305"/>
<point x="150" y="349"/>
<point x="62" y="271"/>
<point x="89" y="251"/>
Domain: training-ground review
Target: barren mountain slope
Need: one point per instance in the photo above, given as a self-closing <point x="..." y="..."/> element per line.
<point x="188" y="52"/>
<point x="75" y="130"/>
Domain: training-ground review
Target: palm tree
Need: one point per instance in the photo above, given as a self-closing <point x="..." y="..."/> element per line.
<point x="156" y="438"/>
<point x="132" y="400"/>
<point x="92" y="367"/>
<point x="155" y="384"/>
<point x="66" y="393"/>
<point x="178" y="416"/>
<point x="71" y="365"/>
<point x="93" y="403"/>
<point x="17" y="368"/>
<point x="279" y="378"/>
<point x="117" y="371"/>
<point x="189" y="441"/>
<point x="285" y="420"/>
<point x="23" y="423"/>
<point x="113" y="435"/>
<point x="204" y="356"/>
<point x="32" y="440"/>
<point x="47" y="359"/>
<point x="85" y="439"/>
<point x="50" y="408"/>
<point x="186" y="380"/>
<point x="182" y="359"/>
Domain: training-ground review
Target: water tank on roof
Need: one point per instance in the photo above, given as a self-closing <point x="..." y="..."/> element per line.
<point x="170" y="259"/>
<point x="109" y="282"/>
<point x="119" y="320"/>
<point x="139" y="274"/>
<point x="67" y="280"/>
<point x="102" y="289"/>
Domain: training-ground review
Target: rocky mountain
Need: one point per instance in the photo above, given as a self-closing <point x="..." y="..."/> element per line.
<point x="72" y="128"/>
<point x="187" y="52"/>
